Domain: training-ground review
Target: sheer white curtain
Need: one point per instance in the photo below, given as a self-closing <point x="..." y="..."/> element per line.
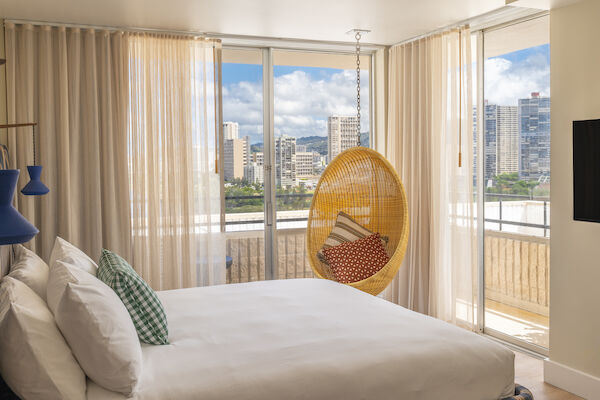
<point x="73" y="83"/>
<point x="430" y="119"/>
<point x="173" y="126"/>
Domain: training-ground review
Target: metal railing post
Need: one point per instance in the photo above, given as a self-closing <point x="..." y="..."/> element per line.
<point x="500" y="213"/>
<point x="545" y="217"/>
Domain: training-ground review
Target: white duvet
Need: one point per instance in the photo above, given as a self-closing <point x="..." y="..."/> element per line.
<point x="312" y="339"/>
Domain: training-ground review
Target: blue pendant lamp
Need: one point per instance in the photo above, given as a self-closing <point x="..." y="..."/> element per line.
<point x="14" y="228"/>
<point x="35" y="187"/>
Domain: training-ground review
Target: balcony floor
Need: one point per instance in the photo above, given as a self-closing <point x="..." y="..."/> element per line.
<point x="521" y="324"/>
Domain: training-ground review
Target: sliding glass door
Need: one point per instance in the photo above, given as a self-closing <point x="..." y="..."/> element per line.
<point x="243" y="166"/>
<point x="287" y="114"/>
<point x="514" y="177"/>
<point x="315" y="120"/>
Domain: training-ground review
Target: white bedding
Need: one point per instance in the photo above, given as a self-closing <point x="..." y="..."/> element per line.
<point x="312" y="339"/>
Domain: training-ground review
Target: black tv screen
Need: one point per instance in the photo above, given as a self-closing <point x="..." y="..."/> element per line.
<point x="586" y="170"/>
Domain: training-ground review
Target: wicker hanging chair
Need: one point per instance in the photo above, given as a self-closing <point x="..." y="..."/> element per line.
<point x="363" y="184"/>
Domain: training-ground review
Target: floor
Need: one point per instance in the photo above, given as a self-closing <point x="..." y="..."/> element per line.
<point x="524" y="325"/>
<point x="529" y="372"/>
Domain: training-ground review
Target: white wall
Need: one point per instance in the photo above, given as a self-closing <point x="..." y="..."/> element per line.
<point x="574" y="246"/>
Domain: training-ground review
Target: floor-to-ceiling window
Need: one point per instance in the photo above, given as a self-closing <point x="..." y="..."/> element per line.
<point x="313" y="116"/>
<point x="514" y="178"/>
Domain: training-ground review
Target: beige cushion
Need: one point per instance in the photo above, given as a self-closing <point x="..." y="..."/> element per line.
<point x="97" y="327"/>
<point x="30" y="269"/>
<point x="35" y="360"/>
<point x="65" y="251"/>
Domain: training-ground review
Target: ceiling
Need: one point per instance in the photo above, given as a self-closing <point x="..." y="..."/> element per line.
<point x="390" y="21"/>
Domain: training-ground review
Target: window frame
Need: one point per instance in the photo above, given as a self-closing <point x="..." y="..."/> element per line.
<point x="267" y="49"/>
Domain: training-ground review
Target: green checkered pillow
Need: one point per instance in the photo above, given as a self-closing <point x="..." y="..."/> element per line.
<point x="145" y="308"/>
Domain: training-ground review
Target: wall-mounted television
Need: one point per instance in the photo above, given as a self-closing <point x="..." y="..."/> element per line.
<point x="586" y="170"/>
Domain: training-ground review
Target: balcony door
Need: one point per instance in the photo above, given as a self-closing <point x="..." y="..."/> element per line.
<point x="514" y="177"/>
<point x="287" y="114"/>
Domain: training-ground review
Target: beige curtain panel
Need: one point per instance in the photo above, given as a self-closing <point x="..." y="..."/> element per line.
<point x="127" y="129"/>
<point x="430" y="121"/>
<point x="73" y="83"/>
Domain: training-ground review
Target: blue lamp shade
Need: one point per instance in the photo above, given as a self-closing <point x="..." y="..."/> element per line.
<point x="14" y="228"/>
<point x="35" y="187"/>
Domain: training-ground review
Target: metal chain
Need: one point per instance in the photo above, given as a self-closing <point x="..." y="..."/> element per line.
<point x="358" y="36"/>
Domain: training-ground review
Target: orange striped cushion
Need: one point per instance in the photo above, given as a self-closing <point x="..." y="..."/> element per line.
<point x="357" y="260"/>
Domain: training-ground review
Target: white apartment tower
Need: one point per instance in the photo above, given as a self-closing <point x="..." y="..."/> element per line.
<point x="231" y="130"/>
<point x="304" y="164"/>
<point x="507" y="139"/>
<point x="235" y="157"/>
<point x="341" y="134"/>
<point x="285" y="161"/>
<point x="254" y="173"/>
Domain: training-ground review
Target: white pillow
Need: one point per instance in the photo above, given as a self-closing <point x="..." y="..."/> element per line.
<point x="65" y="251"/>
<point x="35" y="360"/>
<point x="97" y="327"/>
<point x="31" y="270"/>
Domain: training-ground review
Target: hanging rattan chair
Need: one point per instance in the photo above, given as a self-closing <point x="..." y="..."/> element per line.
<point x="363" y="184"/>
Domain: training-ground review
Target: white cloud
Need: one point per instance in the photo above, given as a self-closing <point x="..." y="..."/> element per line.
<point x="506" y="81"/>
<point x="302" y="103"/>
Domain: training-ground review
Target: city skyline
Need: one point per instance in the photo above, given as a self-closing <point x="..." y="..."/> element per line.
<point x="517" y="139"/>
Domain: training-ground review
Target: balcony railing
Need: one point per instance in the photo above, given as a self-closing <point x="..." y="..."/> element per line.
<point x="500" y="198"/>
<point x="503" y="199"/>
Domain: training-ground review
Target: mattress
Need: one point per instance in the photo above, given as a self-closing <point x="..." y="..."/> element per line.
<point x="312" y="339"/>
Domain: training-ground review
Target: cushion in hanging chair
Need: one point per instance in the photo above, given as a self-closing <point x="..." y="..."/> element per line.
<point x="357" y="260"/>
<point x="345" y="230"/>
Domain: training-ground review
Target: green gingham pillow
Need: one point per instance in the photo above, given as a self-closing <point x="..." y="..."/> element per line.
<point x="145" y="308"/>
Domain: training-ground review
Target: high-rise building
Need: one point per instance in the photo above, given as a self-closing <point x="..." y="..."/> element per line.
<point x="341" y="134"/>
<point x="304" y="163"/>
<point x="235" y="157"/>
<point x="254" y="173"/>
<point x="300" y="148"/>
<point x="285" y="161"/>
<point x="534" y="125"/>
<point x="258" y="157"/>
<point x="319" y="162"/>
<point x="507" y="139"/>
<point x="501" y="137"/>
<point x="490" y="141"/>
<point x="231" y="130"/>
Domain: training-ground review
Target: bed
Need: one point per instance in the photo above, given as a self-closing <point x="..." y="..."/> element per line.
<point x="284" y="339"/>
<point x="312" y="339"/>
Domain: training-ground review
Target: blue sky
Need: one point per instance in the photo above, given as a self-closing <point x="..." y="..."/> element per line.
<point x="304" y="98"/>
<point x="515" y="75"/>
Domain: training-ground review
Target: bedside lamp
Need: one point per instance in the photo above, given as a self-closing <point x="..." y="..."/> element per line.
<point x="14" y="228"/>
<point x="35" y="187"/>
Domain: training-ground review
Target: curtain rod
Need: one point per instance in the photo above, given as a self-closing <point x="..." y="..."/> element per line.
<point x="210" y="35"/>
<point x="521" y="14"/>
<point x="109" y="28"/>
